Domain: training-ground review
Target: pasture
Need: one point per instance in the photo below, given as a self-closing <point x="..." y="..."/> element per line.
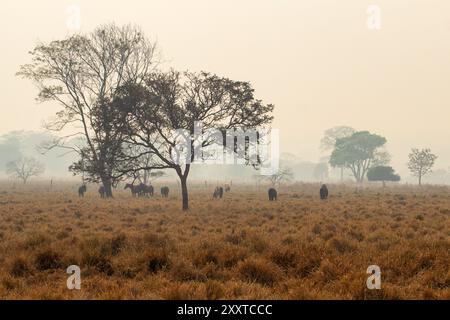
<point x="238" y="247"/>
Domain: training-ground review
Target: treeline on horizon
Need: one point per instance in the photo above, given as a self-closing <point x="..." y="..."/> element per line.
<point x="17" y="144"/>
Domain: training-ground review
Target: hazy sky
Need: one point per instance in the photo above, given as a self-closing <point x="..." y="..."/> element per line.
<point x="316" y="60"/>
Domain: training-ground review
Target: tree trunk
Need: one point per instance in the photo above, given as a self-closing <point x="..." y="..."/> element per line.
<point x="184" y="193"/>
<point x="420" y="179"/>
<point x="108" y="187"/>
<point x="384" y="184"/>
<point x="145" y="176"/>
<point x="342" y="174"/>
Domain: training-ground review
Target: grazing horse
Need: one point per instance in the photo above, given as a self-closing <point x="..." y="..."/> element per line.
<point x="150" y="190"/>
<point x="102" y="191"/>
<point x="323" y="192"/>
<point x="82" y="190"/>
<point x="165" y="192"/>
<point x="145" y="190"/>
<point x="272" y="194"/>
<point x="134" y="189"/>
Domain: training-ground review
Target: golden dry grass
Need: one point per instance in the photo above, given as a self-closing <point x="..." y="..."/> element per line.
<point x="240" y="247"/>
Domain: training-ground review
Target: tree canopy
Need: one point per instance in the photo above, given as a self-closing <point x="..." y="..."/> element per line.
<point x="357" y="152"/>
<point x="382" y="173"/>
<point x="331" y="135"/>
<point x="420" y="162"/>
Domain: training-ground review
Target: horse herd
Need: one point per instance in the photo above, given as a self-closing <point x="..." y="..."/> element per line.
<point x="142" y="190"/>
<point x="323" y="192"/>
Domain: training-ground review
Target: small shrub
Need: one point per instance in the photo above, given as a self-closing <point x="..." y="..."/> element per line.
<point x="308" y="261"/>
<point x="180" y="291"/>
<point x="47" y="259"/>
<point x="117" y="243"/>
<point x="157" y="260"/>
<point x="259" y="270"/>
<point x="184" y="271"/>
<point x="213" y="290"/>
<point x="19" y="267"/>
<point x="236" y="238"/>
<point x="341" y="245"/>
<point x="101" y="263"/>
<point x="9" y="283"/>
<point x="284" y="257"/>
<point x="155" y="240"/>
<point x="36" y="240"/>
<point x="229" y="256"/>
<point x="358" y="235"/>
<point x="206" y="254"/>
<point x="317" y="229"/>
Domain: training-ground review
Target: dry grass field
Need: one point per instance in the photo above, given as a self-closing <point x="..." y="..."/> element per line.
<point x="240" y="247"/>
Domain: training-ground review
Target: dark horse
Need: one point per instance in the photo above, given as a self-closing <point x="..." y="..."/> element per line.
<point x="82" y="190"/>
<point x="135" y="190"/>
<point x="102" y="191"/>
<point x="147" y="190"/>
<point x="323" y="192"/>
<point x="272" y="194"/>
<point x="218" y="193"/>
<point x="140" y="190"/>
<point x="165" y="192"/>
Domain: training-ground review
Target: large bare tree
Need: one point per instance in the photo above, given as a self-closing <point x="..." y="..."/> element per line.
<point x="171" y="102"/>
<point x="81" y="73"/>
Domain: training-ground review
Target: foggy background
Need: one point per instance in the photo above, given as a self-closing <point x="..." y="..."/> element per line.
<point x="315" y="60"/>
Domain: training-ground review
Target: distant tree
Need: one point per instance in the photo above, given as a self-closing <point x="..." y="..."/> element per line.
<point x="357" y="152"/>
<point x="330" y="137"/>
<point x="10" y="147"/>
<point x="321" y="171"/>
<point x="289" y="159"/>
<point x="24" y="168"/>
<point x="283" y="175"/>
<point x="18" y="144"/>
<point x="381" y="157"/>
<point x="421" y="162"/>
<point x="383" y="174"/>
<point x="81" y="73"/>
